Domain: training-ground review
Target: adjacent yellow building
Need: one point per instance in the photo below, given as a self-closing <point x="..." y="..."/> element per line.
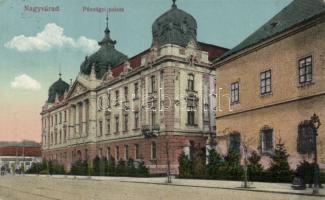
<point x="273" y="82"/>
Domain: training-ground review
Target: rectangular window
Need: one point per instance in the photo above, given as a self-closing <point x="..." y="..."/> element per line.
<point x="100" y="152"/>
<point x="153" y="118"/>
<point x="136" y="90"/>
<point x="305" y="70"/>
<point x="60" y="120"/>
<point x="191" y="117"/>
<point x="108" y="153"/>
<point x="234" y="142"/>
<point x="267" y="140"/>
<point x="108" y="125"/>
<point x="266" y="82"/>
<point x="109" y="99"/>
<point x="117" y="153"/>
<point x="100" y="128"/>
<point x="117" y="97"/>
<point x="153" y="151"/>
<point x="126" y="152"/>
<point x="126" y="122"/>
<point x="137" y="151"/>
<point x="117" y="123"/>
<point x="153" y="84"/>
<point x="234" y="93"/>
<point x="126" y="93"/>
<point x="136" y="120"/>
<point x="190" y="82"/>
<point x="65" y="116"/>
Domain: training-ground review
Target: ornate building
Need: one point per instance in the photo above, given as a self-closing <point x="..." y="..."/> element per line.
<point x="273" y="82"/>
<point x="150" y="107"/>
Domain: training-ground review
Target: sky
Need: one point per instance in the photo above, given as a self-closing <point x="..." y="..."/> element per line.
<point x="35" y="45"/>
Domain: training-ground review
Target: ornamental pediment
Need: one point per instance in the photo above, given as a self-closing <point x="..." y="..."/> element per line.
<point x="77" y="89"/>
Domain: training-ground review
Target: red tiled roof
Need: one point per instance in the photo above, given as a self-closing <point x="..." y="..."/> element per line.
<point x="18" y="151"/>
<point x="213" y="50"/>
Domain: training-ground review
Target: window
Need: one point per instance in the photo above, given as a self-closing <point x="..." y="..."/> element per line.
<point x="65" y="135"/>
<point x="60" y="138"/>
<point x="190" y="82"/>
<point x="136" y="120"/>
<point x="108" y="125"/>
<point x="234" y="142"/>
<point x="306" y="134"/>
<point x="305" y="70"/>
<point x="100" y="128"/>
<point x="191" y="117"/>
<point x="234" y="93"/>
<point x="56" y="119"/>
<point x="153" y="151"/>
<point x="108" y="153"/>
<point x="60" y="119"/>
<point x="266" y="82"/>
<point x="65" y="116"/>
<point x="117" y="97"/>
<point x="153" y="84"/>
<point x="86" y="154"/>
<point x="126" y="122"/>
<point x="267" y="140"/>
<point x="153" y="118"/>
<point x="117" y="152"/>
<point x="100" y="152"/>
<point x="126" y="93"/>
<point x="126" y="152"/>
<point x="117" y="123"/>
<point x="109" y="99"/>
<point x="137" y="151"/>
<point x="136" y="90"/>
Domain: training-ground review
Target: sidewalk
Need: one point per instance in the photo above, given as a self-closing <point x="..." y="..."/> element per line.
<point x="230" y="185"/>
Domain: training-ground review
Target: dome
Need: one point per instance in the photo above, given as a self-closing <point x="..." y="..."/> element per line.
<point x="106" y="56"/>
<point x="57" y="89"/>
<point x="174" y="27"/>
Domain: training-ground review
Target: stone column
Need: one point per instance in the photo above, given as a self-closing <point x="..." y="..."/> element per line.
<point x="92" y="115"/>
<point x="77" y="120"/>
<point x="84" y="118"/>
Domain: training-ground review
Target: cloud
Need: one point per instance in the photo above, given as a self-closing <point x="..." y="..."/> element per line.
<point x="25" y="82"/>
<point x="51" y="37"/>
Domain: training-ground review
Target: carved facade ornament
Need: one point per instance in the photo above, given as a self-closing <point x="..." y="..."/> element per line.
<point x="78" y="89"/>
<point x="192" y="54"/>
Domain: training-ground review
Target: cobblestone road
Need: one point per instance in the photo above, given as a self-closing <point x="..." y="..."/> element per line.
<point x="33" y="188"/>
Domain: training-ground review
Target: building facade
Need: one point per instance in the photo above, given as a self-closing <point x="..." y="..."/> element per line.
<point x="150" y="107"/>
<point x="18" y="157"/>
<point x="272" y="83"/>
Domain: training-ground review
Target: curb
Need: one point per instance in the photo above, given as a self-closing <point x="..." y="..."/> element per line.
<point x="173" y="184"/>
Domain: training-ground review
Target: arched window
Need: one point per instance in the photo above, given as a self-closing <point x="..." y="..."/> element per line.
<point x="190" y="82"/>
<point x="79" y="155"/>
<point x="305" y="140"/>
<point x="153" y="151"/>
<point x="234" y="142"/>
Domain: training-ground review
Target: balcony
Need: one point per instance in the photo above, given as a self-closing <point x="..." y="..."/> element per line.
<point x="150" y="131"/>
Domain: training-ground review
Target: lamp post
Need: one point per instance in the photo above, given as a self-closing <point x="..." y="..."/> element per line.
<point x="316" y="124"/>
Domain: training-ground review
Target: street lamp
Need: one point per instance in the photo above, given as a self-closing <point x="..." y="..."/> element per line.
<point x="316" y="124"/>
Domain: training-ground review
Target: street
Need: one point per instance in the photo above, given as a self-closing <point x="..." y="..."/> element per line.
<point x="33" y="188"/>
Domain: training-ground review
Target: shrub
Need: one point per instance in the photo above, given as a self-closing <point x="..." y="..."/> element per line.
<point x="185" y="166"/>
<point x="215" y="161"/>
<point x="80" y="168"/>
<point x="280" y="169"/>
<point x="255" y="169"/>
